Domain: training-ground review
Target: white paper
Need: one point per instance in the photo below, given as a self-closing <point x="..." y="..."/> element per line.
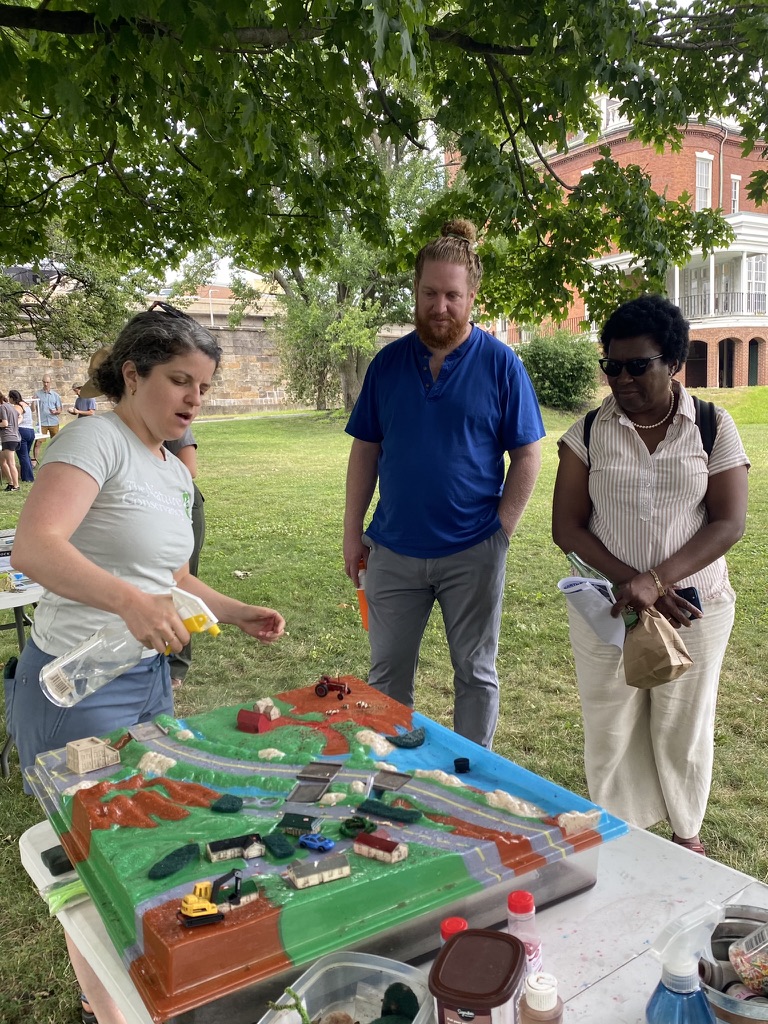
<point x="592" y="599"/>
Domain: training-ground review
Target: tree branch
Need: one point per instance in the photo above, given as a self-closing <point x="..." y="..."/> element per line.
<point x="284" y="283"/>
<point x="84" y="23"/>
<point x="470" y="45"/>
<point x="388" y="111"/>
<point x="521" y="111"/>
<point x="80" y="22"/>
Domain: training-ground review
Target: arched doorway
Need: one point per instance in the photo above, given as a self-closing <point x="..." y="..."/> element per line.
<point x="756" y="358"/>
<point x="725" y="352"/>
<point x="696" y="365"/>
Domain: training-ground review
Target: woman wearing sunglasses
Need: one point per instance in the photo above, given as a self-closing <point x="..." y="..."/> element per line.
<point x="646" y="506"/>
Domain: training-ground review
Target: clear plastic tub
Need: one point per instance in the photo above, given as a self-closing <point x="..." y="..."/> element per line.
<point x="353" y="983"/>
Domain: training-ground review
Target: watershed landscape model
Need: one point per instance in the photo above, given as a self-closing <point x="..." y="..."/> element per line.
<point x="234" y="845"/>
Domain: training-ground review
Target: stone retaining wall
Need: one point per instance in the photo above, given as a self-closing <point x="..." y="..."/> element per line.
<point x="249" y="378"/>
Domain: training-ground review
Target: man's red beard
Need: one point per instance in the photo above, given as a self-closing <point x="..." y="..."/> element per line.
<point x="444" y="333"/>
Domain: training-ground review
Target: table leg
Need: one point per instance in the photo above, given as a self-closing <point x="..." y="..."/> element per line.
<point x="18" y="614"/>
<point x="5" y="753"/>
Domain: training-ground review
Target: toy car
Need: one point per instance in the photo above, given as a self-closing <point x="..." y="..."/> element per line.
<point x="316" y="841"/>
<point x="325" y="684"/>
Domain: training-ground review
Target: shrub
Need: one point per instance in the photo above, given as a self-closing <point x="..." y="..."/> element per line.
<point x="563" y="369"/>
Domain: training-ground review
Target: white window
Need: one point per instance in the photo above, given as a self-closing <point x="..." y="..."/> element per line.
<point x="735" y="186"/>
<point x="756" y="275"/>
<point x="612" y="113"/>
<point x="704" y="180"/>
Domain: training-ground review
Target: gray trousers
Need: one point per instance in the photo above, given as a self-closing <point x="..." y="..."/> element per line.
<point x="469" y="587"/>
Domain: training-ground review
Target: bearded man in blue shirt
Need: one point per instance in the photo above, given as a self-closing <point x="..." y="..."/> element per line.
<point x="438" y="410"/>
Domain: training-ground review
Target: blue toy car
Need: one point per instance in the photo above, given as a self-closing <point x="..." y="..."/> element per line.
<point x="316" y="841"/>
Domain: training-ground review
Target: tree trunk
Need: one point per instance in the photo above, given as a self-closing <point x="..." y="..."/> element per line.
<point x="352" y="373"/>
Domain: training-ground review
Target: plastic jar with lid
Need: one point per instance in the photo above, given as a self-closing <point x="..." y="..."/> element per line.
<point x="478" y="976"/>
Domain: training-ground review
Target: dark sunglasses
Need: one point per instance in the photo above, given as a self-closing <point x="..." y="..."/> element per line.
<point x="166" y="307"/>
<point x="634" y="367"/>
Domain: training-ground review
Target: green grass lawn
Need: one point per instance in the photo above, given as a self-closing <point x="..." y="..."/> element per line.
<point x="275" y="492"/>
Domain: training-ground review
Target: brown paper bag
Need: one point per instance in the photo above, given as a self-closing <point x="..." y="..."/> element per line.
<point x="654" y="652"/>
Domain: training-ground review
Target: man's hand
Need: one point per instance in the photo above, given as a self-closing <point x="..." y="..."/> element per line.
<point x="354" y="550"/>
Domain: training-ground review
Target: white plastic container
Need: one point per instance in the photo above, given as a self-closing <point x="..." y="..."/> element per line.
<point x="353" y="983"/>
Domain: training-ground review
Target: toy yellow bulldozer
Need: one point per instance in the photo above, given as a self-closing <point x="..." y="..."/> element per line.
<point x="199" y="906"/>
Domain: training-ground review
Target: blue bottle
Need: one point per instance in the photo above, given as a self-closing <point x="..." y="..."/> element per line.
<point x="678" y="998"/>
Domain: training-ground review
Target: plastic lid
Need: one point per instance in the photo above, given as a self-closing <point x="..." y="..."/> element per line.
<point x="478" y="969"/>
<point x="541" y="991"/>
<point x="521" y="902"/>
<point x="452" y="926"/>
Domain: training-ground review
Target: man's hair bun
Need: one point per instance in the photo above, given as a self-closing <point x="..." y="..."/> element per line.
<point x="459" y="229"/>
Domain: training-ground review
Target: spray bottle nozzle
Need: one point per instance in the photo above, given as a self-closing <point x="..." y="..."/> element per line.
<point x="194" y="613"/>
<point x="682" y="943"/>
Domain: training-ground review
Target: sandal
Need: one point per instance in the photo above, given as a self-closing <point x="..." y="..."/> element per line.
<point x="694" y="844"/>
<point x="87" y="1014"/>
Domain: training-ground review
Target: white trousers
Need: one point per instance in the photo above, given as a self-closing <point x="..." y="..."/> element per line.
<point x="648" y="753"/>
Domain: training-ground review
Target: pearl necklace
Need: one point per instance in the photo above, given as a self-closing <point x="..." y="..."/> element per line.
<point x="651" y="426"/>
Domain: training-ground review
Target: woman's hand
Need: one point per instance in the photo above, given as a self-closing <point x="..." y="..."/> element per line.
<point x="638" y="593"/>
<point x="265" y="624"/>
<point x="641" y="592"/>
<point x="675" y="608"/>
<point x="153" y="620"/>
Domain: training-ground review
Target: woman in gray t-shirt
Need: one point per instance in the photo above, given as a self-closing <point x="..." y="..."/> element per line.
<point x="109" y="516"/>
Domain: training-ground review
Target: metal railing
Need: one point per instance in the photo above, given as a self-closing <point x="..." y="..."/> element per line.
<point x="697" y="306"/>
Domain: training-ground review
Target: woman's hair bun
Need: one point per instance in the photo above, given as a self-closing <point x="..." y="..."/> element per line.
<point x="459" y="228"/>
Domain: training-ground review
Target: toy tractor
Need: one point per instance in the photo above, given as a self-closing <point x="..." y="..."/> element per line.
<point x="325" y="685"/>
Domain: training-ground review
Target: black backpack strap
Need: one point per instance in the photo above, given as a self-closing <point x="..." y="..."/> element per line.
<point x="589" y="419"/>
<point x="706" y="421"/>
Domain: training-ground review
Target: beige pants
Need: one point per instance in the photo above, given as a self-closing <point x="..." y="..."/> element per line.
<point x="648" y="753"/>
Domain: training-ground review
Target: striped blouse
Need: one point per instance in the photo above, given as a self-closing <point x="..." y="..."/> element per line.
<point x="646" y="507"/>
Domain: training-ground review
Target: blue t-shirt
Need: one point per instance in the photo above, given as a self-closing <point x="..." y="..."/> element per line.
<point x="441" y="466"/>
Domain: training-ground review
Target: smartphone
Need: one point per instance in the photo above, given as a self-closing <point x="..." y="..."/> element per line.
<point x="691" y="595"/>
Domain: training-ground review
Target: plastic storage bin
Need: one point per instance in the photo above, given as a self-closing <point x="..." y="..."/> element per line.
<point x="354" y="983"/>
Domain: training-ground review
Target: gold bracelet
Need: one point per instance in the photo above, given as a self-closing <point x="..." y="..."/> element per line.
<point x="659" y="585"/>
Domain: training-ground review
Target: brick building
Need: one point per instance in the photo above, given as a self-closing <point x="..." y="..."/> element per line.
<point x="725" y="297"/>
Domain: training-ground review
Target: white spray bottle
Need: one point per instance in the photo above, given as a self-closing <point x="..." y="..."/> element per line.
<point x="111" y="651"/>
<point x="679" y="998"/>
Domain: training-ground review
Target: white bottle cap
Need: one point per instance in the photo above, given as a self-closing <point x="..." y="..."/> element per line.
<point x="541" y="991"/>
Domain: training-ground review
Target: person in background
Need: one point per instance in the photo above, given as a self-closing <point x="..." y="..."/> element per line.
<point x="647" y="507"/>
<point x="110" y="516"/>
<point x="438" y="410"/>
<point x="9" y="442"/>
<point x="26" y="436"/>
<point x="83" y="406"/>
<point x="185" y="448"/>
<point x="49" y="406"/>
